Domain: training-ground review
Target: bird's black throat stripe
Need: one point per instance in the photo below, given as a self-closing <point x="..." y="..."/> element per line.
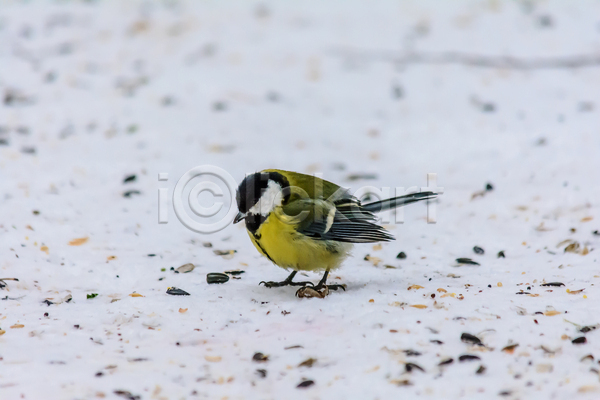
<point x="256" y="239"/>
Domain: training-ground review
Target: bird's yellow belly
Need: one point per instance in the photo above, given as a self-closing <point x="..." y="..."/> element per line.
<point x="291" y="250"/>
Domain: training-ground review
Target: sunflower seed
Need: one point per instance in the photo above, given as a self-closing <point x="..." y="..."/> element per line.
<point x="466" y="261"/>
<point x="579" y="340"/>
<point x="468" y="357"/>
<point x="216" y="277"/>
<point x="468" y="338"/>
<point x="176" y="291"/>
<point x="305" y="384"/>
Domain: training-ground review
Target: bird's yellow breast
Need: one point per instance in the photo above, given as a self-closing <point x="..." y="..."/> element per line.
<point x="287" y="248"/>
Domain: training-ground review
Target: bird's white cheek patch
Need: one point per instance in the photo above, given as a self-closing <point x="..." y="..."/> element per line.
<point x="270" y="199"/>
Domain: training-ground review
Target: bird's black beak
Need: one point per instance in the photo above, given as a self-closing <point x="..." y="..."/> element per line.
<point x="239" y="217"/>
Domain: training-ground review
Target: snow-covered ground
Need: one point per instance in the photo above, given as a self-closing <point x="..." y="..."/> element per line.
<point x="94" y="92"/>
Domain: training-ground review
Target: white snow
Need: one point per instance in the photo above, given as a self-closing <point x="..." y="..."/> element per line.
<point x="102" y="90"/>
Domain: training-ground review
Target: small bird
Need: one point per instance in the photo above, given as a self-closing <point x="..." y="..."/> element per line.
<point x="305" y="223"/>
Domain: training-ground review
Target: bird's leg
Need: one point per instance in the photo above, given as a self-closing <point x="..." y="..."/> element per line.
<point x="286" y="282"/>
<point x="322" y="284"/>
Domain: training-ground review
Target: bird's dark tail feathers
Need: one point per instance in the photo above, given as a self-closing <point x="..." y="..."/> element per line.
<point x="387" y="204"/>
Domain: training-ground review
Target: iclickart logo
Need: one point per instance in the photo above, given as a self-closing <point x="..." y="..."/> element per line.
<point x="204" y="199"/>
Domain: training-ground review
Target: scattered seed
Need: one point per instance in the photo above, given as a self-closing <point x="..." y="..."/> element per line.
<point x="262" y="373"/>
<point x="78" y="242"/>
<point x="409" y="367"/>
<point x="127" y="395"/>
<point x="410" y="353"/>
<point x="224" y="252"/>
<point x="501" y="254"/>
<point x="130" y="193"/>
<point x="216" y="277"/>
<point x="468" y="357"/>
<point x="596" y="232"/>
<point x="176" y="291"/>
<point x="305" y="384"/>
<point x="579" y="340"/>
<point x="435" y="341"/>
<point x="551" y="313"/>
<point x="293" y="347"/>
<point x="185" y="268"/>
<point x="130" y="178"/>
<point x="361" y="176"/>
<point x="510" y="349"/>
<point x="489" y="187"/>
<point x="478" y="250"/>
<point x="553" y="284"/>
<point x="401" y="382"/>
<point x="466" y="261"/>
<point x="588" y="328"/>
<point x="401" y="255"/>
<point x="468" y="338"/>
<point x="308" y="362"/>
<point x="235" y="272"/>
<point x="308" y="292"/>
<point x="447" y="361"/>
<point x="260" y="357"/>
<point x="92" y="295"/>
<point x="575" y="291"/>
<point x="480" y="370"/>
<point x="572" y="248"/>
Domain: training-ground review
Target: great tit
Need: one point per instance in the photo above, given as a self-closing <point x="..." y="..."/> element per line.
<point x="305" y="223"/>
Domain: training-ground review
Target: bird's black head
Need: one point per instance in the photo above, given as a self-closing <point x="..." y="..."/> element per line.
<point x="250" y="192"/>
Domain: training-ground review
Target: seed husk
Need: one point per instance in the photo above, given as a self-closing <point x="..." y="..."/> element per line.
<point x="478" y="250"/>
<point x="447" y="361"/>
<point x="260" y="357"/>
<point x="185" y="268"/>
<point x="308" y="362"/>
<point x="588" y="328"/>
<point x="472" y="339"/>
<point x="216" y="277"/>
<point x="176" y="291"/>
<point x="130" y="193"/>
<point x="224" y="252"/>
<point x="480" y="370"/>
<point x="510" y="348"/>
<point x="464" y="260"/>
<point x="262" y="373"/>
<point x="553" y="284"/>
<point x="401" y="255"/>
<point x="409" y="367"/>
<point x="235" y="272"/>
<point x="501" y="254"/>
